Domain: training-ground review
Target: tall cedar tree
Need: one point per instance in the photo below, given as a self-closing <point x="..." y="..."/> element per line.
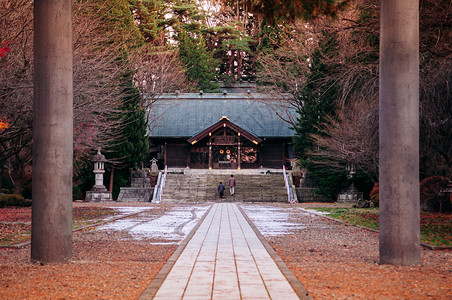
<point x="149" y="15"/>
<point x="198" y="61"/>
<point x="319" y="101"/>
<point x="132" y="149"/>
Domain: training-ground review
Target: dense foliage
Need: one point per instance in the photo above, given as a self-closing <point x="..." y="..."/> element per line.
<point x="13" y="200"/>
<point x="127" y="52"/>
<point x="335" y="87"/>
<point x="375" y="195"/>
<point x="433" y="197"/>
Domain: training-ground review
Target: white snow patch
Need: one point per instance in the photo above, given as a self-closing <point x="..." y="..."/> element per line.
<point x="315" y="212"/>
<point x="124" y="210"/>
<point x="131" y="210"/>
<point x="173" y="226"/>
<point x="270" y="220"/>
<point x="120" y="224"/>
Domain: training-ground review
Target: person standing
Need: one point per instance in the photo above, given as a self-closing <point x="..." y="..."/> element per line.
<point x="221" y="189"/>
<point x="232" y="185"/>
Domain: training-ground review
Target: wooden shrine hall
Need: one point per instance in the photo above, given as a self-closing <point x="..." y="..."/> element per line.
<point x="220" y="131"/>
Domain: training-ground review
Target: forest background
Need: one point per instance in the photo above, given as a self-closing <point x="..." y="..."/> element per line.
<point x="127" y="52"/>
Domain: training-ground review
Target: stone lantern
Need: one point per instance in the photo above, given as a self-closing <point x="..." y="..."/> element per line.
<point x="154" y="167"/>
<point x="99" y="170"/>
<point x="351" y="195"/>
<point x="99" y="191"/>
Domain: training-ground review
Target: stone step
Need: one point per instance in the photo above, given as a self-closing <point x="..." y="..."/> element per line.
<point x="203" y="187"/>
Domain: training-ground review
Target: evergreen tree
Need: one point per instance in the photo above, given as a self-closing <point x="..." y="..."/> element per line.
<point x="131" y="146"/>
<point x="149" y="15"/>
<point x="319" y="96"/>
<point x="199" y="62"/>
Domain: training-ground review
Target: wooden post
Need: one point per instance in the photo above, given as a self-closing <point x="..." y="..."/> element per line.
<point x="165" y="155"/>
<point x="51" y="233"/>
<point x="239" y="158"/>
<point x="112" y="177"/>
<point x="283" y="154"/>
<point x="210" y="154"/>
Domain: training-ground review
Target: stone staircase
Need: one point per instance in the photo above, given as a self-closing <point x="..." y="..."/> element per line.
<point x="201" y="187"/>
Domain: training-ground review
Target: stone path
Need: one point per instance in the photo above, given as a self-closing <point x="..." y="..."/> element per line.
<point x="224" y="259"/>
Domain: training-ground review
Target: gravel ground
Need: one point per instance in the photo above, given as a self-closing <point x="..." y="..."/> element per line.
<point x="331" y="260"/>
<point x="336" y="261"/>
<point x="106" y="264"/>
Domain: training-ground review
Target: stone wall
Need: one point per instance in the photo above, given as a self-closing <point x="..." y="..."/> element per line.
<point x="306" y="194"/>
<point x="133" y="194"/>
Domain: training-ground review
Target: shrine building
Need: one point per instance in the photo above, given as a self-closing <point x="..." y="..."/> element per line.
<point x="221" y="130"/>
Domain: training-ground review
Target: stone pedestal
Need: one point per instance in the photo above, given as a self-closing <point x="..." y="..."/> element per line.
<point x="140" y="189"/>
<point x="351" y="195"/>
<point x="98" y="196"/>
<point x="306" y="191"/>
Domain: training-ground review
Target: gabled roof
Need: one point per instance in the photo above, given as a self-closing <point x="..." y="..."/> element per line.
<point x="186" y="114"/>
<point x="224" y="122"/>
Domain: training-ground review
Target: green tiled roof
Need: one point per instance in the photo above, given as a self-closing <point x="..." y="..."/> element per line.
<point x="185" y="115"/>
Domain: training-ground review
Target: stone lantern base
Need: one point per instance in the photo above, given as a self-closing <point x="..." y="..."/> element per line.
<point x="351" y="195"/>
<point x="98" y="194"/>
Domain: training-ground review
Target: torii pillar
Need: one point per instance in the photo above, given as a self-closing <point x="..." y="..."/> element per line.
<point x="399" y="133"/>
<point x="51" y="234"/>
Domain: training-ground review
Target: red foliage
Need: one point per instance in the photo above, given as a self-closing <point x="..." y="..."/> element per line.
<point x="153" y="180"/>
<point x="375" y="194"/>
<point x="3" y="124"/>
<point x="296" y="180"/>
<point x="432" y="197"/>
<point x="15" y="214"/>
<point x="4" y="48"/>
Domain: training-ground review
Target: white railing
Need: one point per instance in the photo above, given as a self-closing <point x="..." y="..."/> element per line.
<point x="158" y="189"/>
<point x="290" y="195"/>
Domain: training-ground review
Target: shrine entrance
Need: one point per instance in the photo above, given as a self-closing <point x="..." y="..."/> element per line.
<point x="224" y="145"/>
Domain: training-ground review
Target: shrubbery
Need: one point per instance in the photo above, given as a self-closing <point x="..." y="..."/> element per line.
<point x="375" y="195"/>
<point x="432" y="197"/>
<point x="13" y="200"/>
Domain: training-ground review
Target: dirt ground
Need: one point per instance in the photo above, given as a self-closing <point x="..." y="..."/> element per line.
<point x="331" y="260"/>
<point x="336" y="261"/>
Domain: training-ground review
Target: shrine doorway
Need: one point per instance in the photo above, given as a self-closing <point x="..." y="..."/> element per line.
<point x="224" y="145"/>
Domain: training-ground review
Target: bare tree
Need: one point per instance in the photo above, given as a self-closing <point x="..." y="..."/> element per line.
<point x="436" y="118"/>
<point x="352" y="132"/>
<point x="16" y="87"/>
<point x="356" y="122"/>
<point x="158" y="70"/>
<point x="97" y="80"/>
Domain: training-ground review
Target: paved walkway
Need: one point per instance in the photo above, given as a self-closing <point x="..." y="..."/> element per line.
<point x="224" y="259"/>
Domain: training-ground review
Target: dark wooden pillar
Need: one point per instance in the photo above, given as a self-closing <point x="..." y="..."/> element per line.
<point x="259" y="153"/>
<point x="283" y="154"/>
<point x="165" y="153"/>
<point x="239" y="166"/>
<point x="51" y="234"/>
<point x="188" y="156"/>
<point x="210" y="154"/>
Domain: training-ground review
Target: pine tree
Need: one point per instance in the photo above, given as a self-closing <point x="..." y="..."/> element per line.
<point x="199" y="62"/>
<point x="319" y="102"/>
<point x="132" y="145"/>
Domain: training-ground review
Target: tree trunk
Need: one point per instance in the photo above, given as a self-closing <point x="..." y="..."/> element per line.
<point x="239" y="64"/>
<point x="18" y="185"/>
<point x="2" y="173"/>
<point x="399" y="133"/>
<point x="112" y="176"/>
<point x="231" y="61"/>
<point x="51" y="236"/>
